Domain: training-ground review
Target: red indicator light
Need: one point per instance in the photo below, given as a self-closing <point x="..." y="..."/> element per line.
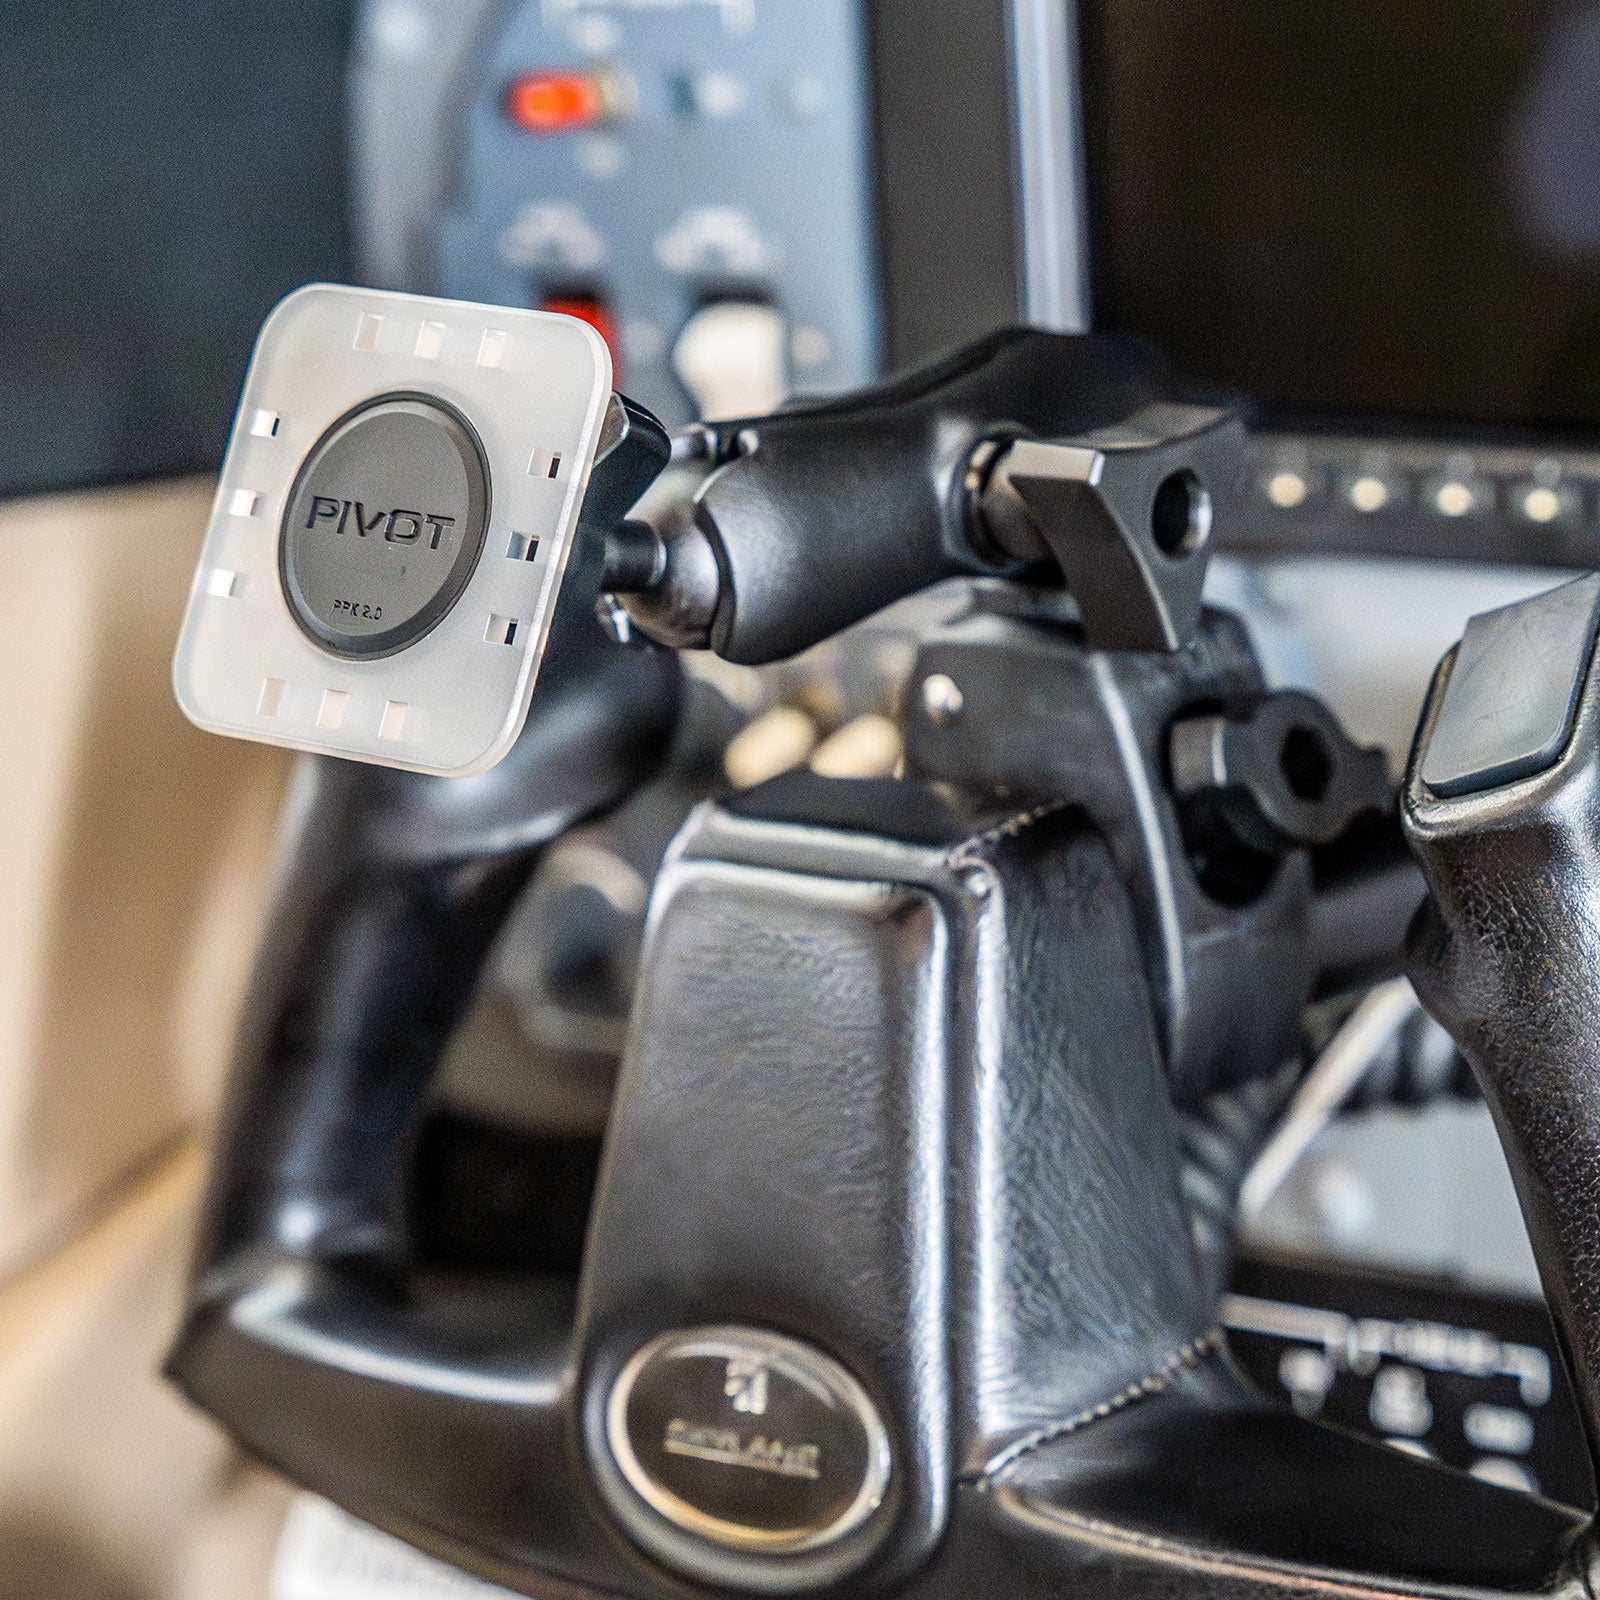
<point x="588" y="309"/>
<point x="555" y="102"/>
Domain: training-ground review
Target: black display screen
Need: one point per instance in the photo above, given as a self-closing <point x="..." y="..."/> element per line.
<point x="1388" y="210"/>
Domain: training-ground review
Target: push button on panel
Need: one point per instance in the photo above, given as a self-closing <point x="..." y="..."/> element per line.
<point x="754" y="1442"/>
<point x="384" y="525"/>
<point x="566" y="102"/>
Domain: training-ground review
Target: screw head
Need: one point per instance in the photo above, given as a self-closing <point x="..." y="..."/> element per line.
<point x="613" y="617"/>
<point x="942" y="699"/>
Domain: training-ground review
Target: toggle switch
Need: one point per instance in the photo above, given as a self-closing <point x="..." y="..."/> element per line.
<point x="732" y="357"/>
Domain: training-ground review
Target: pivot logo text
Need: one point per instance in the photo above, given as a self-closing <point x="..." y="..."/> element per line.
<point x="398" y="527"/>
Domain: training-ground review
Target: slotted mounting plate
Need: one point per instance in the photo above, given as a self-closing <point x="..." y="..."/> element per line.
<point x="391" y="527"/>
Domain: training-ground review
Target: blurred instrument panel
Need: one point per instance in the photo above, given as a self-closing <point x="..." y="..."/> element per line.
<point x="753" y="198"/>
<point x="694" y="179"/>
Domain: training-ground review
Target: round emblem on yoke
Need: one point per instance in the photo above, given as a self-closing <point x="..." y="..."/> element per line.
<point x="748" y="1439"/>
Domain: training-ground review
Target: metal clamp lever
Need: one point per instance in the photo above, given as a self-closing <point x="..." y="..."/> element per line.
<point x="1287" y="773"/>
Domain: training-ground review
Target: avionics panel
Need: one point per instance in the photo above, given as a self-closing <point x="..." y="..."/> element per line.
<point x="1379" y="228"/>
<point x="1382" y="225"/>
<point x="749" y="197"/>
<point x="693" y="176"/>
<point x="1400" y="204"/>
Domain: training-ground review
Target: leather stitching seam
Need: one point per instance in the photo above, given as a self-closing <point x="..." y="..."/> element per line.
<point x="1182" y="1360"/>
<point x="965" y="852"/>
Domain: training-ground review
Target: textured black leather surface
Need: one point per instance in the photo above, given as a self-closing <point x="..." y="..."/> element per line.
<point x="778" y="1160"/>
<point x="922" y="815"/>
<point x="959" y="1177"/>
<point x="1206" y="1487"/>
<point x="983" y="1225"/>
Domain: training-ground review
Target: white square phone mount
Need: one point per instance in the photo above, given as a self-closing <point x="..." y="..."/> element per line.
<point x="393" y="520"/>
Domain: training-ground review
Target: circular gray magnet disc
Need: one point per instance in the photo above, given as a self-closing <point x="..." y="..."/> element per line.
<point x="384" y="525"/>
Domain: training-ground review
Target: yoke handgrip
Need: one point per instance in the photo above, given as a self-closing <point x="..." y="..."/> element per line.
<point x="1502" y="808"/>
<point x="304" y="1331"/>
<point x="395" y="888"/>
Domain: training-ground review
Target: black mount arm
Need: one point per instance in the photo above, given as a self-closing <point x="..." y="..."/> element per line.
<point x="1027" y="452"/>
